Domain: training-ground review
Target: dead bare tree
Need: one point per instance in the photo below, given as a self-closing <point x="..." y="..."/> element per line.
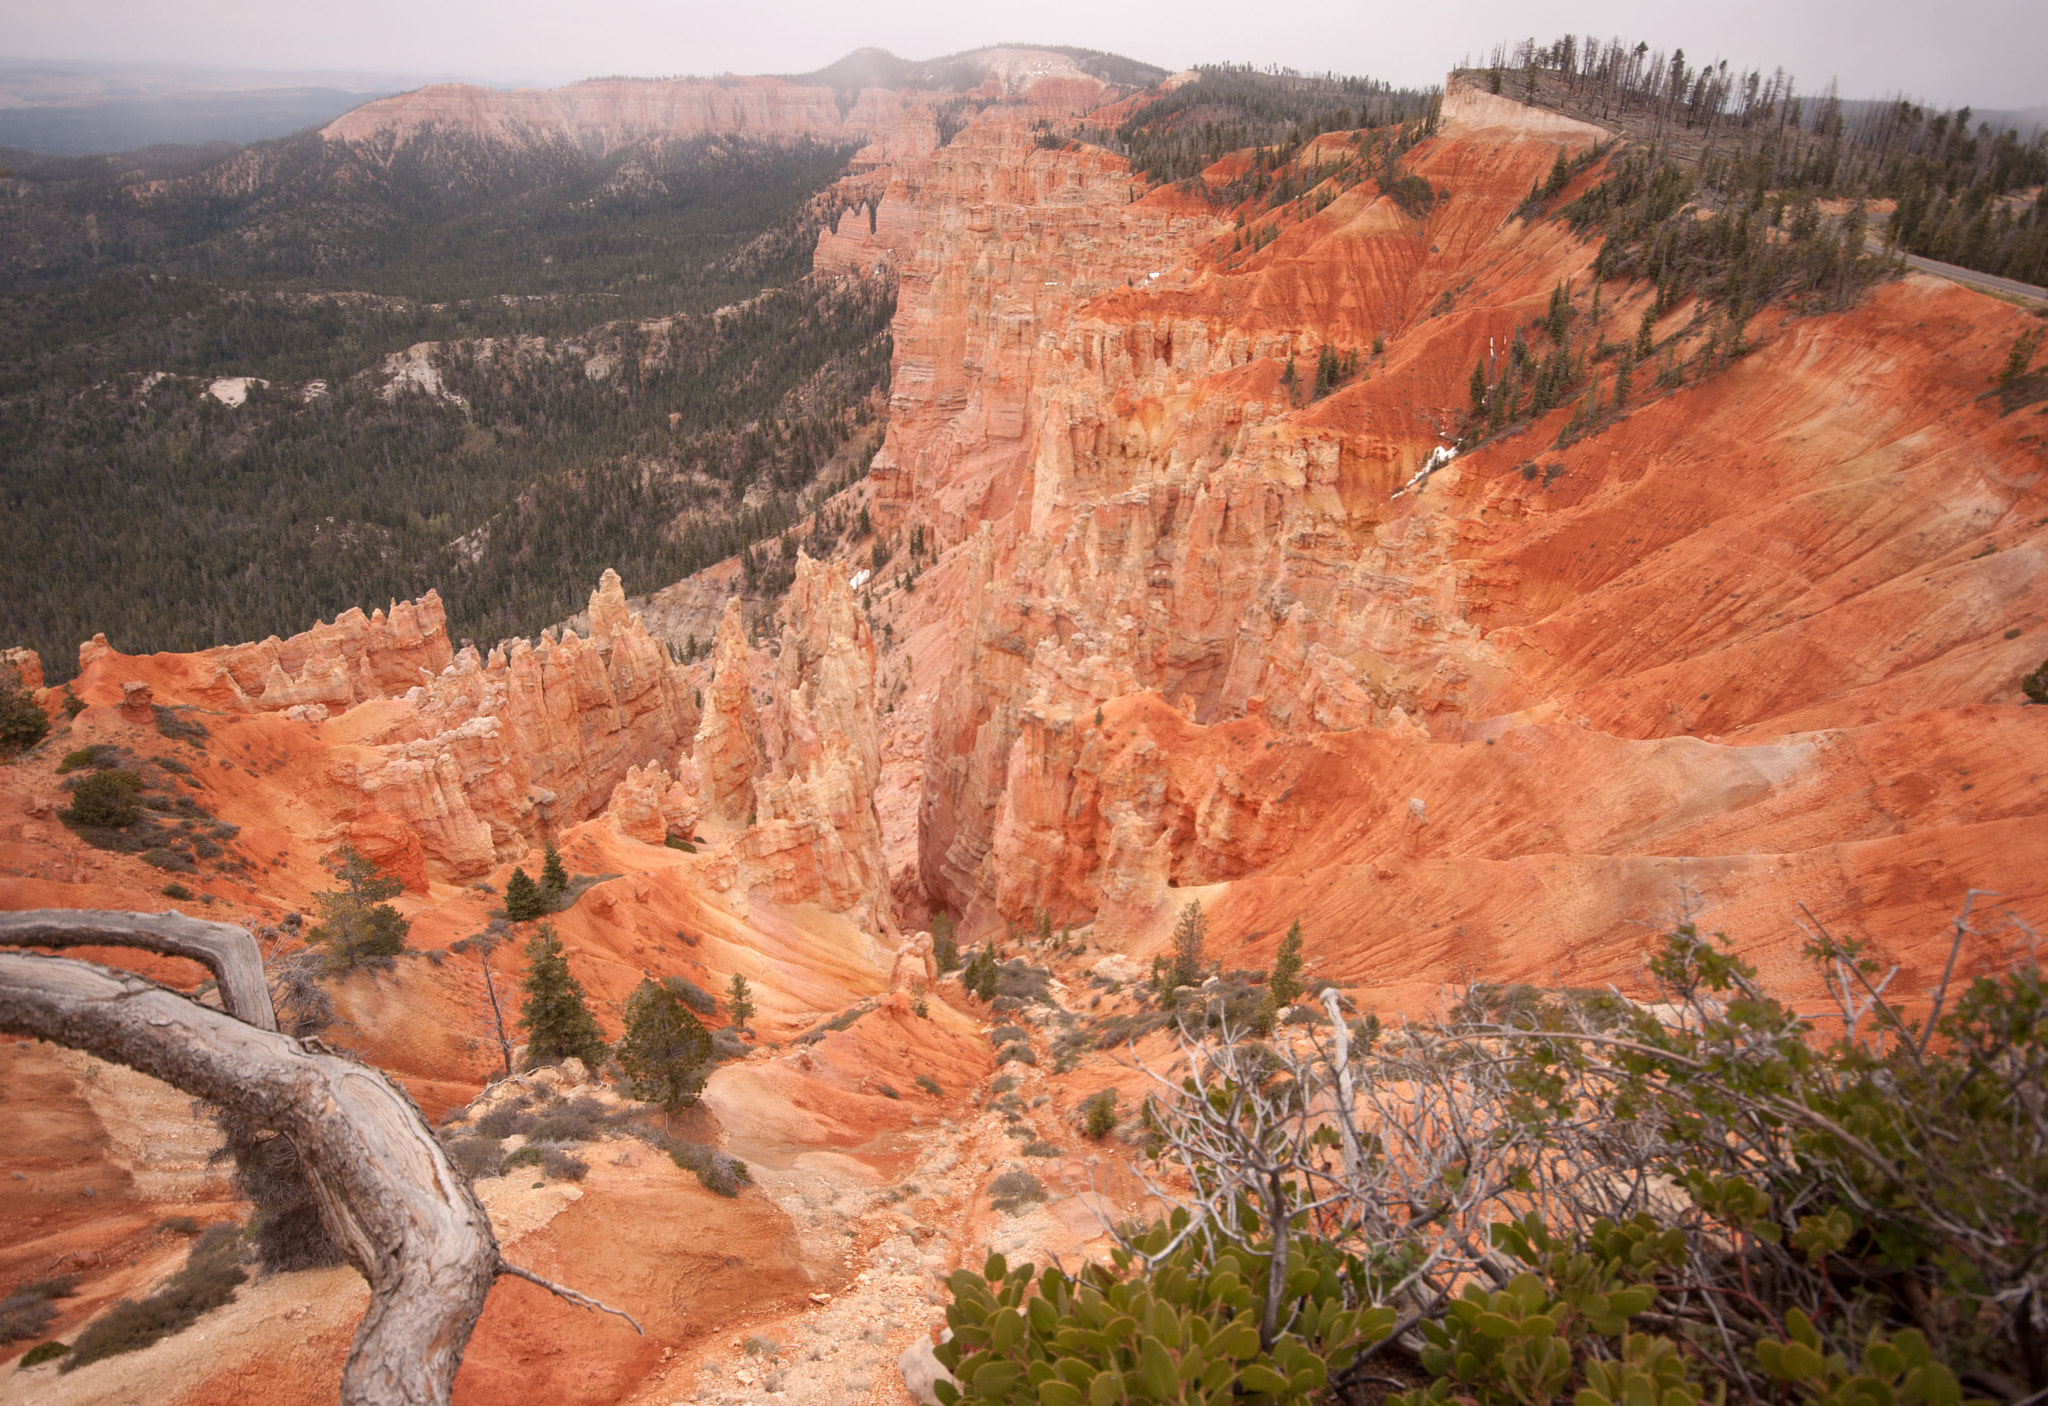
<point x="403" y="1214"/>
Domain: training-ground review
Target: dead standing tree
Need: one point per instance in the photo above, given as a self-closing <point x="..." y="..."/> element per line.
<point x="402" y="1213"/>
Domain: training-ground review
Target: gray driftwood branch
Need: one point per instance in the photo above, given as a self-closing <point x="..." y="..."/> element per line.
<point x="225" y="950"/>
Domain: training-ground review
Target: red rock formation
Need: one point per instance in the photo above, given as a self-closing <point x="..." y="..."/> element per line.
<point x="1088" y="401"/>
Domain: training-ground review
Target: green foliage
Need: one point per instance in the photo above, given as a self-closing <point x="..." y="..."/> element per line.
<point x="2035" y="684"/>
<point x="739" y="1004"/>
<point x="1897" y="1370"/>
<point x="1175" y="138"/>
<point x="666" y="1052"/>
<point x="1183" y="1329"/>
<point x="1560" y="176"/>
<point x="557" y="1019"/>
<point x="2019" y="357"/>
<point x="206" y="1282"/>
<point x="1099" y="1115"/>
<point x="105" y="800"/>
<point x="1285" y="981"/>
<point x="43" y="1352"/>
<point x="356" y="925"/>
<point x="554" y="875"/>
<point x="329" y="261"/>
<point x="22" y="723"/>
<point x="983" y="973"/>
<point x="945" y="949"/>
<point x="930" y="1086"/>
<point x="524" y="900"/>
<point x="1184" y="966"/>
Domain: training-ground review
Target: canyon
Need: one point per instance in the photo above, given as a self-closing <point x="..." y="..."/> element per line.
<point x="1749" y="650"/>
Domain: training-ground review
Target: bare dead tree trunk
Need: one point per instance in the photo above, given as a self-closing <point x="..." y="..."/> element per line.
<point x="225" y="950"/>
<point x="403" y="1214"/>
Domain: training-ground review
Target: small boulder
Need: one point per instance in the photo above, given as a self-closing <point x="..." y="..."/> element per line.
<point x="922" y="1371"/>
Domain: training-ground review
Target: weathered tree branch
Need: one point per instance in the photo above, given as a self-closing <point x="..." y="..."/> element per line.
<point x="402" y="1213"/>
<point x="227" y="951"/>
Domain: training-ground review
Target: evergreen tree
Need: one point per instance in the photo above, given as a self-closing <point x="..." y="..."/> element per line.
<point x="1285" y="983"/>
<point x="558" y="1021"/>
<point x="1560" y="314"/>
<point x="666" y="1052"/>
<point x="1477" y="388"/>
<point x="1560" y="177"/>
<point x="554" y="876"/>
<point x="1646" y="334"/>
<point x="2018" y="359"/>
<point x="356" y="923"/>
<point x="22" y="723"/>
<point x="945" y="950"/>
<point x="1290" y="378"/>
<point x="523" y="899"/>
<point x="737" y="1004"/>
<point x="1185" y="967"/>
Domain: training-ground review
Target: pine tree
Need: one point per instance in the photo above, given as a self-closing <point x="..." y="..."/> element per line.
<point x="22" y="723"/>
<point x="356" y="924"/>
<point x="554" y="875"/>
<point x="1290" y="378"/>
<point x="1186" y="963"/>
<point x="737" y="1004"/>
<point x="945" y="950"/>
<point x="666" y="1052"/>
<point x="2018" y="359"/>
<point x="1285" y="982"/>
<point x="1646" y="334"/>
<point x="1560" y="314"/>
<point x="1560" y="177"/>
<point x="523" y="899"/>
<point x="558" y="1021"/>
<point x="1477" y="388"/>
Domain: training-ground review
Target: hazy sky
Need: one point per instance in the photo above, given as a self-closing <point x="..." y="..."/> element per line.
<point x="1989" y="52"/>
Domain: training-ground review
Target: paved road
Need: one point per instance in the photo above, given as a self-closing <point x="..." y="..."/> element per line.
<point x="1968" y="276"/>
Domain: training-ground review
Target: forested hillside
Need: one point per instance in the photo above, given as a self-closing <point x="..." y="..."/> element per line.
<point x="244" y="388"/>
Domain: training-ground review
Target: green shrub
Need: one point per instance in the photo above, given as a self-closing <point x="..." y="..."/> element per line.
<point x="930" y="1086"/>
<point x="22" y="723"/>
<point x="158" y="857"/>
<point x="2035" y="685"/>
<point x="99" y="754"/>
<point x="1182" y="1333"/>
<point x="1098" y="1114"/>
<point x="694" y="996"/>
<point x="43" y="1352"/>
<point x="206" y="1282"/>
<point x="178" y="891"/>
<point x="1019" y="1053"/>
<point x="103" y="801"/>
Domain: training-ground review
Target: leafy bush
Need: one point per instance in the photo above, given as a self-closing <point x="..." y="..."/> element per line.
<point x="1018" y="1053"/>
<point x="178" y="891"/>
<point x="2035" y="685"/>
<point x="99" y="755"/>
<point x="103" y="801"/>
<point x="1098" y="1114"/>
<point x="715" y="1171"/>
<point x="206" y="1282"/>
<point x="930" y="1086"/>
<point x="22" y="723"/>
<point x="1185" y="1332"/>
<point x="43" y="1352"/>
